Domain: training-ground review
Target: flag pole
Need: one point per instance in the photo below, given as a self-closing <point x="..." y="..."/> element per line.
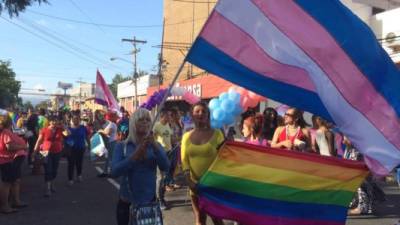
<point x="167" y="93"/>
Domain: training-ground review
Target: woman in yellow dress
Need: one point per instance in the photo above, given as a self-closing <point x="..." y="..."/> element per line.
<point x="199" y="148"/>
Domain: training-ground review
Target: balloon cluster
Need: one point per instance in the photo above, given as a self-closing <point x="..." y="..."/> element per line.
<point x="157" y="97"/>
<point x="231" y="104"/>
<point x="248" y="99"/>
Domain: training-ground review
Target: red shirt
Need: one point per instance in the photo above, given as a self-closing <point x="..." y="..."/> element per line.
<point x="52" y="139"/>
<point x="8" y="137"/>
<point x="283" y="135"/>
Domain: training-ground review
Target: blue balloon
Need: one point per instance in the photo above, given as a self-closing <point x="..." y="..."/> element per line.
<point x="228" y="106"/>
<point x="234" y="96"/>
<point x="218" y="114"/>
<point x="237" y="110"/>
<point x="214" y="104"/>
<point x="229" y="119"/>
<point x="216" y="124"/>
<point x="223" y="96"/>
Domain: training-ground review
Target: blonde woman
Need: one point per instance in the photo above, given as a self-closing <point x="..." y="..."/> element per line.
<point x="135" y="161"/>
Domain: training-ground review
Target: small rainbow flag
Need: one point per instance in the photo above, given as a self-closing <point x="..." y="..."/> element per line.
<point x="258" y="186"/>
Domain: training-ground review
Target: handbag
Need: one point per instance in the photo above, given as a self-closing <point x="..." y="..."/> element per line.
<point x="148" y="214"/>
<point x="145" y="214"/>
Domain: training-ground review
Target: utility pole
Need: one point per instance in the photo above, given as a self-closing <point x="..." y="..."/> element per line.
<point x="134" y="42"/>
<point x="80" y="92"/>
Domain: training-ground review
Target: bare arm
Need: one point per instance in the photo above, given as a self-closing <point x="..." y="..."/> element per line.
<point x="38" y="143"/>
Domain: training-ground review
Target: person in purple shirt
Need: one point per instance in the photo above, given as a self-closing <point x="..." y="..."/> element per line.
<point x="135" y="162"/>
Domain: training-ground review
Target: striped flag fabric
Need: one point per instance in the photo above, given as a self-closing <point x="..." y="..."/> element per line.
<point x="314" y="55"/>
<point x="257" y="186"/>
<point x="103" y="94"/>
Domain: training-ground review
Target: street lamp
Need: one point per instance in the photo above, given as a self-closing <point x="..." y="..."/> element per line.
<point x="135" y="77"/>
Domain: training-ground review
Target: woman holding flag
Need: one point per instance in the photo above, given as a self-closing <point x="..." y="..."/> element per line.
<point x="199" y="148"/>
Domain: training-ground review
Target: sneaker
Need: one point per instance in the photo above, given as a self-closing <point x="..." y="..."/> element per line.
<point x="102" y="175"/>
<point x="70" y="183"/>
<point x="163" y="205"/>
<point x="53" y="189"/>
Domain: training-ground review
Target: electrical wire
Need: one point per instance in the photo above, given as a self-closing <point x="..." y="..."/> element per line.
<point x="47" y="40"/>
<point x="71" y="46"/>
<point x="113" y="25"/>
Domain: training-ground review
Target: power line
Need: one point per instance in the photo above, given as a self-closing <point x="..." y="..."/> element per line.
<point x="113" y="25"/>
<point x="47" y="40"/>
<point x="87" y="16"/>
<point x="76" y="49"/>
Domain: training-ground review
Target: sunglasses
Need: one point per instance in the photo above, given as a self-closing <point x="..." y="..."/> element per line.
<point x="290" y="115"/>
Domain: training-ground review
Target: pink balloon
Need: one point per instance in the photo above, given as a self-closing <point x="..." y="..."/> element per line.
<point x="243" y="101"/>
<point x="233" y="88"/>
<point x="190" y="98"/>
<point x="241" y="91"/>
<point x="252" y="95"/>
<point x="253" y="102"/>
<point x="263" y="99"/>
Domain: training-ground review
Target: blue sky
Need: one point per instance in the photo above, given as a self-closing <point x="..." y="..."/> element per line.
<point x="40" y="64"/>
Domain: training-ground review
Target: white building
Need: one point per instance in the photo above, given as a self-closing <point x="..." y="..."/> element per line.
<point x="80" y="93"/>
<point x="126" y="91"/>
<point x="383" y="17"/>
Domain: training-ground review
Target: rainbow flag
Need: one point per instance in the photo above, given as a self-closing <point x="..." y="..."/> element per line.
<point x="258" y="186"/>
<point x="314" y="55"/>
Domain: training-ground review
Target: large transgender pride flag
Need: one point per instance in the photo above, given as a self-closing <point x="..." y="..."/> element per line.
<point x="314" y="55"/>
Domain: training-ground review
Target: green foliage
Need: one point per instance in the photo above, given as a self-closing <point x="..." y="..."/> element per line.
<point x="42" y="105"/>
<point x="118" y="78"/>
<point x="14" y="7"/>
<point x="27" y="105"/>
<point x="9" y="87"/>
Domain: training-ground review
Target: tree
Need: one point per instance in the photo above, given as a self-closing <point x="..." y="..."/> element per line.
<point x="9" y="87"/>
<point x="14" y="7"/>
<point x="118" y="78"/>
<point x="27" y="105"/>
<point x="42" y="105"/>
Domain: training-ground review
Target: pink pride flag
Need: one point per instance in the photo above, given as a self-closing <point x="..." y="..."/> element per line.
<point x="103" y="95"/>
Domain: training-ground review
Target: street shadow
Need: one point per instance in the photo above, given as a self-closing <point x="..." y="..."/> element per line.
<point x="179" y="203"/>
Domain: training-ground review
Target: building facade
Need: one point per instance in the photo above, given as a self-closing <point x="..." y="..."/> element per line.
<point x="80" y="93"/>
<point x="126" y="91"/>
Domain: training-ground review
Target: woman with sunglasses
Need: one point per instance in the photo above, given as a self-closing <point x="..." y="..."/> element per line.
<point x="293" y="135"/>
